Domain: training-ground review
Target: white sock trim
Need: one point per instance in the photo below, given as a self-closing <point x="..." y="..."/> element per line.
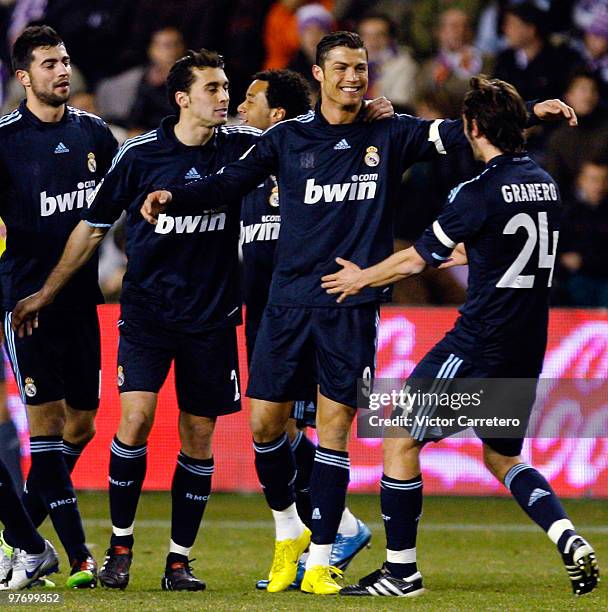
<point x="126" y="531"/>
<point x="287" y="523"/>
<point x="319" y="555"/>
<point x="179" y="550"/>
<point x="407" y="555"/>
<point x="557" y="529"/>
<point x="348" y="524"/>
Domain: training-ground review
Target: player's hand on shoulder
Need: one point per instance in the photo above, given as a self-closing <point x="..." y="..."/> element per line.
<point x="24" y="318"/>
<point x="346" y="282"/>
<point x="555" y="110"/>
<point x="155" y="204"/>
<point x="379" y="108"/>
<point x="457" y="258"/>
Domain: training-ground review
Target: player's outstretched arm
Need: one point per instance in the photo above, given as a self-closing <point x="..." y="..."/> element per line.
<point x="79" y="248"/>
<point x="555" y="110"/>
<point x="352" y="279"/>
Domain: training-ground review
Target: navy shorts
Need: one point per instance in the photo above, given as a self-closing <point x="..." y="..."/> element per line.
<point x="444" y="363"/>
<point x="206" y="365"/>
<point x="60" y="360"/>
<point x="337" y="344"/>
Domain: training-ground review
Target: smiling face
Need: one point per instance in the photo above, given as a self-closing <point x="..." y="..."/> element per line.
<point x="206" y="102"/>
<point x="254" y="110"/>
<point x="48" y="77"/>
<point x="343" y="76"/>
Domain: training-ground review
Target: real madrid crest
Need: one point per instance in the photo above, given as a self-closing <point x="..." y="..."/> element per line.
<point x="121" y="376"/>
<point x="91" y="162"/>
<point x="30" y="387"/>
<point x="273" y="200"/>
<point x="371" y="157"/>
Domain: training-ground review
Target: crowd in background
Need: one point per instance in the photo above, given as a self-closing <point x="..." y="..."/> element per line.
<point x="421" y="56"/>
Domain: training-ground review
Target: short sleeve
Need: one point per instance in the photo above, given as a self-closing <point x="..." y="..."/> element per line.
<point x="461" y="218"/>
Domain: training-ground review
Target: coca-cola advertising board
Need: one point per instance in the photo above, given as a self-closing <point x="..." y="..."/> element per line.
<point x="576" y="465"/>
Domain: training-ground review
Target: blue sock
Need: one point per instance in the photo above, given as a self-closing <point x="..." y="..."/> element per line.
<point x="538" y="500"/>
<point x="304" y="452"/>
<point x="33" y="503"/>
<point x="127" y="474"/>
<point x="19" y="529"/>
<point x="328" y="484"/>
<point x="190" y="491"/>
<point x="401" y="504"/>
<point x="49" y="477"/>
<point x="275" y="465"/>
<point x="10" y="450"/>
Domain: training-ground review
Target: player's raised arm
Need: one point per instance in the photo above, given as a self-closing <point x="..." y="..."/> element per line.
<point x="224" y="188"/>
<point x="79" y="248"/>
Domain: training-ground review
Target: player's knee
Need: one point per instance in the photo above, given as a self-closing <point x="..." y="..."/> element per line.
<point x="265" y="429"/>
<point x="334" y="436"/>
<point x="135" y="428"/>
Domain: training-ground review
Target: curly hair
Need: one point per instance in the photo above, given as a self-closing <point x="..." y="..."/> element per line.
<point x="286" y="89"/>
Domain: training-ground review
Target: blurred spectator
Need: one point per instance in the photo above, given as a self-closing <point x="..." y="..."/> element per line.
<point x="281" y="38"/>
<point x="314" y="22"/>
<point x="594" y="44"/>
<point x="349" y="13"/>
<point x="150" y="104"/>
<point x="86" y="101"/>
<point x="567" y="147"/>
<point x="424" y="20"/>
<point x="392" y="70"/>
<point x="203" y="23"/>
<point x="456" y="60"/>
<point x="537" y="68"/>
<point x="584" y="238"/>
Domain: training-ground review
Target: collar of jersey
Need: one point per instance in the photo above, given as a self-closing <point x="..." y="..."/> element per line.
<point x="167" y="136"/>
<point x="319" y="118"/>
<point x="509" y="157"/>
<point x="31" y="118"/>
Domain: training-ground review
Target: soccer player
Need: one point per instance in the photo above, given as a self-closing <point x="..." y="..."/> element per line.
<point x="508" y="219"/>
<point x="274" y="96"/>
<point x="180" y="304"/>
<point x="52" y="157"/>
<point x="337" y="179"/>
<point x="32" y="557"/>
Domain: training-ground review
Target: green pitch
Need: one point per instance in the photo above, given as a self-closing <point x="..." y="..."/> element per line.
<point x="475" y="554"/>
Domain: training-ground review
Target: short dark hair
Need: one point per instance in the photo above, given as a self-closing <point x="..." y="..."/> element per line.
<point x="181" y="75"/>
<point x="31" y="38"/>
<point x="499" y="111"/>
<point x="352" y="40"/>
<point x="582" y="72"/>
<point x="286" y="89"/>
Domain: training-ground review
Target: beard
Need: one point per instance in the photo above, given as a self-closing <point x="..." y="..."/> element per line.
<point x="49" y="98"/>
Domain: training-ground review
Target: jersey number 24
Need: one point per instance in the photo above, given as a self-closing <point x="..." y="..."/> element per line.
<point x="513" y="277"/>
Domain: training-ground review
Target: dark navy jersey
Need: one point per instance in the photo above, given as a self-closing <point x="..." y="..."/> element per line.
<point x="182" y="272"/>
<point x="508" y="218"/>
<point x="47" y="170"/>
<point x="337" y="184"/>
<point x="260" y="227"/>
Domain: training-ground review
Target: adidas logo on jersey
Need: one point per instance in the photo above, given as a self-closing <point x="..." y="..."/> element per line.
<point x="61" y="148"/>
<point x="342" y="145"/>
<point x="363" y="187"/>
<point x="189" y="224"/>
<point x="192" y="175"/>
<point x="316" y="514"/>
<point x="536" y="495"/>
<point x="64" y="202"/>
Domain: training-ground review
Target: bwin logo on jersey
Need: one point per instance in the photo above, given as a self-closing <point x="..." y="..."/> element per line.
<point x="210" y="222"/>
<point x="67" y="201"/>
<point x="363" y="187"/>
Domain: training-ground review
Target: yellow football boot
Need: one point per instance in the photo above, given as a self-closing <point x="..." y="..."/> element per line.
<point x="321" y="580"/>
<point x="285" y="562"/>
